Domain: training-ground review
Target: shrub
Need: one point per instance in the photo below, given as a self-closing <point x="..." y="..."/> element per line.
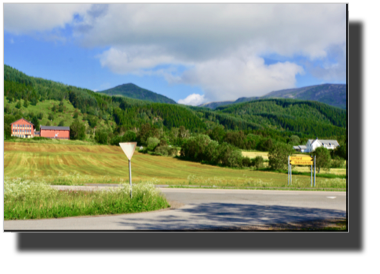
<point x="172" y="151"/>
<point x="258" y="162"/>
<point x="77" y="130"/>
<point x="163" y="150"/>
<point x="323" y="158"/>
<point x="129" y="136"/>
<point x="278" y="155"/>
<point x="61" y="124"/>
<point x="101" y="136"/>
<point x="337" y="162"/>
<point x="246" y="161"/>
<point x="152" y="143"/>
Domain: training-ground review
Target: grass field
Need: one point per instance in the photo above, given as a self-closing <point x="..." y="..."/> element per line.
<point x="37" y="200"/>
<point x="82" y="164"/>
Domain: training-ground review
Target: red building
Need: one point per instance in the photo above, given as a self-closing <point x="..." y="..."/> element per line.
<point x="55" y="132"/>
<point x="22" y="128"/>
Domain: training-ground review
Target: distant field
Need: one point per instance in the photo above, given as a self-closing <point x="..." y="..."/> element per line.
<point x="82" y="164"/>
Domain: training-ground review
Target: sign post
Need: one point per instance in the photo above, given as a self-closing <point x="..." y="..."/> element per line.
<point x="301" y="161"/>
<point x="315" y="165"/>
<point x="129" y="149"/>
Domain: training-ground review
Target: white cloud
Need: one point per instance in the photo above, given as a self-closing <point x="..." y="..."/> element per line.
<point x="239" y="76"/>
<point x="201" y="31"/>
<point x="133" y="59"/>
<point x="193" y="100"/>
<point x="221" y="44"/>
<point x="26" y="18"/>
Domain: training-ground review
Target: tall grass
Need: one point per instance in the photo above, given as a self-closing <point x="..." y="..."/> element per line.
<point x="297" y="182"/>
<point x="25" y="199"/>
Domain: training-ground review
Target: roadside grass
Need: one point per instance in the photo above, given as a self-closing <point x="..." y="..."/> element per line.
<point x="37" y="200"/>
<point x="101" y="164"/>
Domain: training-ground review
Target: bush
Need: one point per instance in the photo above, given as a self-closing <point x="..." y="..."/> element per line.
<point x="77" y="130"/>
<point x="337" y="162"/>
<point x="40" y="115"/>
<point x="101" y="136"/>
<point x="162" y="150"/>
<point x="246" y="161"/>
<point x="258" y="162"/>
<point x="129" y="136"/>
<point x="61" y="124"/>
<point x="323" y="158"/>
<point x="172" y="151"/>
<point x="278" y="155"/>
<point x="152" y="143"/>
<point x="51" y="117"/>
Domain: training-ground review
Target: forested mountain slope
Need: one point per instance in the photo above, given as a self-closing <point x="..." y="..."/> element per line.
<point x="288" y="114"/>
<point x="136" y="92"/>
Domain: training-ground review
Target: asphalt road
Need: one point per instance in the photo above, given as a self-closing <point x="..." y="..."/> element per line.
<point x="208" y="209"/>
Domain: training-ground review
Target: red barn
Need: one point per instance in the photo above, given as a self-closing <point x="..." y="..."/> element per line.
<point x="22" y="128"/>
<point x="55" y="132"/>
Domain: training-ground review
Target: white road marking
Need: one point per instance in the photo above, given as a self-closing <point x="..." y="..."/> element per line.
<point x="331" y="197"/>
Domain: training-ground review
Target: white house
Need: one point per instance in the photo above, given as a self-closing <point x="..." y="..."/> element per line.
<point x="311" y="144"/>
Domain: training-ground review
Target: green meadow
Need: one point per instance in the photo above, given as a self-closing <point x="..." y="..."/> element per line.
<point x="66" y="164"/>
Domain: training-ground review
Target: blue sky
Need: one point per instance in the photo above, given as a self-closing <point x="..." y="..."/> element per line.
<point x="206" y="53"/>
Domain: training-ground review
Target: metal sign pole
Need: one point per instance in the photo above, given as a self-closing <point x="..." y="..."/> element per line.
<point x="311" y="175"/>
<point x="290" y="173"/>
<point x="315" y="164"/>
<point x="288" y="169"/>
<point x="130" y="176"/>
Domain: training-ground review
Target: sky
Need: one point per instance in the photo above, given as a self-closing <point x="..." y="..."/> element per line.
<point x="191" y="53"/>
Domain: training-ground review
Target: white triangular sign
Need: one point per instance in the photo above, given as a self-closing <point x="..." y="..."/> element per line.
<point x="128" y="148"/>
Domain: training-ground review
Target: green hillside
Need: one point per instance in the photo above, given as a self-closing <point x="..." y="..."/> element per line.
<point x="104" y="119"/>
<point x="133" y="91"/>
<point x="307" y="117"/>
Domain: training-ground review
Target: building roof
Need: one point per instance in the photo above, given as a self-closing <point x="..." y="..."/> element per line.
<point x="24" y="120"/>
<point x="325" y="142"/>
<point x="54" y="128"/>
<point x="300" y="147"/>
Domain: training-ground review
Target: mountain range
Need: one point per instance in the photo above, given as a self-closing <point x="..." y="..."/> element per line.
<point x="330" y="94"/>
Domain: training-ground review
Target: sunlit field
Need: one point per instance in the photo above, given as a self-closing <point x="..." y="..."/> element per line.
<point x="81" y="164"/>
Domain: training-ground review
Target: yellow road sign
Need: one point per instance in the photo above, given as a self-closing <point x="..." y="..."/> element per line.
<point x="301" y="158"/>
<point x="301" y="162"/>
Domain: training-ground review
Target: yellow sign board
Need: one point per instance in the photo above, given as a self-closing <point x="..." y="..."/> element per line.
<point x="301" y="162"/>
<point x="301" y="158"/>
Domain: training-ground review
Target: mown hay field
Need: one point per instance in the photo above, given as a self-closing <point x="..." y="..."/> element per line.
<point x="81" y="164"/>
